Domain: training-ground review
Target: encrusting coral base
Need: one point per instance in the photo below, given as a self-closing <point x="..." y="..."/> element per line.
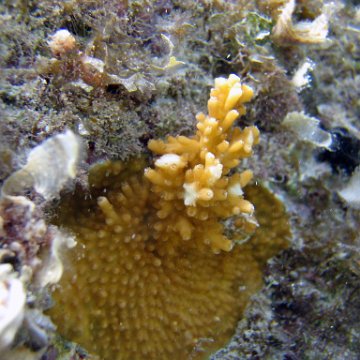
<point x="154" y="276"/>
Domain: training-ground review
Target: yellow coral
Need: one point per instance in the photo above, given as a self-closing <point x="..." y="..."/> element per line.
<point x="144" y="283"/>
<point x="191" y="177"/>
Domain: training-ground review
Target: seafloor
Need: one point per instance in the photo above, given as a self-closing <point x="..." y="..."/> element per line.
<point x="141" y="70"/>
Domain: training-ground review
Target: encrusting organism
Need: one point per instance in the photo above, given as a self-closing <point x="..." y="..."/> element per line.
<point x="154" y="276"/>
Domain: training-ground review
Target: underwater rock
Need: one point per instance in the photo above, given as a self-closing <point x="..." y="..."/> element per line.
<point x="309" y="305"/>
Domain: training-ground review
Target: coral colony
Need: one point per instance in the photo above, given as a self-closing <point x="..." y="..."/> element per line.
<point x="154" y="275"/>
<point x="110" y="251"/>
<point x="191" y="179"/>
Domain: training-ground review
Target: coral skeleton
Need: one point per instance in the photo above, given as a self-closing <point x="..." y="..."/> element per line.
<point x="154" y="276"/>
<point x="49" y="165"/>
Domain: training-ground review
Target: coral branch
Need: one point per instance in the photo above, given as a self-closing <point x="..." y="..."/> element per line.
<point x="191" y="176"/>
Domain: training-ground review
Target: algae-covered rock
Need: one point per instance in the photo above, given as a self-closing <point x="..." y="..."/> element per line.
<point x="121" y="73"/>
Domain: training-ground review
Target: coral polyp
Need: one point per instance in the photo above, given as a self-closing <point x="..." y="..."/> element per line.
<point x="154" y="276"/>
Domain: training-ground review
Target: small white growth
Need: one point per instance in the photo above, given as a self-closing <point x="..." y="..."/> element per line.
<point x="235" y="190"/>
<point x="49" y="165"/>
<point x="190" y="194"/>
<point x="61" y="42"/>
<point x="301" y="77"/>
<point x="12" y="302"/>
<point x="168" y="160"/>
<point x="307" y="129"/>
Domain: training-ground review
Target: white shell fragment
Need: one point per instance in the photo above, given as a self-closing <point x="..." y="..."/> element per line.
<point x="307" y="129"/>
<point x="12" y="302"/>
<point x="52" y="268"/>
<point x="49" y="165"/>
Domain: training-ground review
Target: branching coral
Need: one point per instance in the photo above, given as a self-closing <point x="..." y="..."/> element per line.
<point x="150" y="280"/>
<point x="191" y="178"/>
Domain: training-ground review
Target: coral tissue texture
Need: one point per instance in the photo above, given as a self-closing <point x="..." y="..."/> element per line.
<point x="154" y="276"/>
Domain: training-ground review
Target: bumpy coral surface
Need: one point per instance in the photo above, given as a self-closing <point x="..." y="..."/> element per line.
<point x="149" y="279"/>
